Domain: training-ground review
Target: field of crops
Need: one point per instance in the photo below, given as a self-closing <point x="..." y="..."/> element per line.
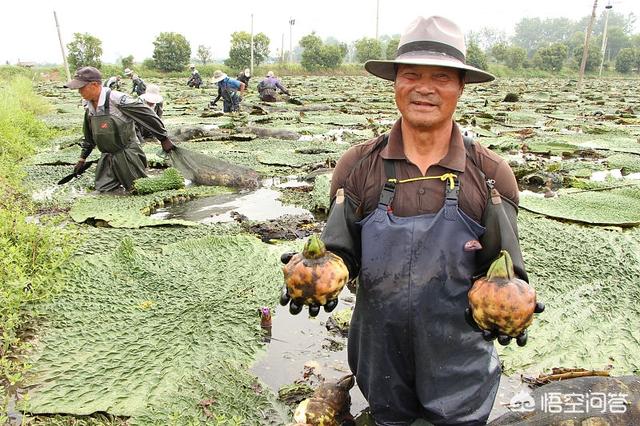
<point x="157" y="321"/>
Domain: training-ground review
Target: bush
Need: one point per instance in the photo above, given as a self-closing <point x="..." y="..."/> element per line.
<point x="31" y="254"/>
<point x="627" y="59"/>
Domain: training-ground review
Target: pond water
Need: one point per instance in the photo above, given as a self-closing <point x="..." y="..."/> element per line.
<point x="259" y="205"/>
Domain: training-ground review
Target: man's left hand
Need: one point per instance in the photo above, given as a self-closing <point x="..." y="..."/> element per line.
<point x="503" y="339"/>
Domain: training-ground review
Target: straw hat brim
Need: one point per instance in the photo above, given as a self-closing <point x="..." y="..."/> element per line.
<point x="386" y="69"/>
<point x="151" y="98"/>
<point x="219" y="78"/>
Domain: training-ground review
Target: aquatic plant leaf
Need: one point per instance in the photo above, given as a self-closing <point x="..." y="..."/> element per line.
<point x="619" y="206"/>
<point x="102" y="352"/>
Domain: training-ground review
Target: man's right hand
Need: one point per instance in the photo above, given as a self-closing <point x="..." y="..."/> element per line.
<point x="79" y="167"/>
<point x="296" y="308"/>
<point x="167" y="145"/>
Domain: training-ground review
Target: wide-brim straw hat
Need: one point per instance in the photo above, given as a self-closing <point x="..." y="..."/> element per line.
<point x="152" y="94"/>
<point x="218" y="76"/>
<point x="434" y="41"/>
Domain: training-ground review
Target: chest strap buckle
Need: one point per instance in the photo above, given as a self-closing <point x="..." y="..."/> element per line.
<point x="452" y="193"/>
<point x="387" y="194"/>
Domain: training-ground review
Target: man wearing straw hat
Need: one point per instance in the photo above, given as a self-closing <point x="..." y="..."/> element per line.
<point x="139" y="86"/>
<point x="228" y="89"/>
<point x="109" y="123"/>
<point x="406" y="219"/>
<point x="153" y="99"/>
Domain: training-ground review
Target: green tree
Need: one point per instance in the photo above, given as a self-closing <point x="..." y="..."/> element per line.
<point x="312" y="46"/>
<point x="515" y="57"/>
<point x="204" y="54"/>
<point x="240" y="50"/>
<point x="551" y="58"/>
<point x="627" y="59"/>
<point x="475" y="56"/>
<point x="499" y="52"/>
<point x="368" y="48"/>
<point x="533" y="33"/>
<point x="616" y="40"/>
<point x="316" y="55"/>
<point x="392" y="47"/>
<point x="171" y="52"/>
<point x="127" y="61"/>
<point x="85" y="50"/>
<point x="593" y="57"/>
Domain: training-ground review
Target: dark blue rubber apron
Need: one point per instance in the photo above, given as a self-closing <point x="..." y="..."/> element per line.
<point x="413" y="354"/>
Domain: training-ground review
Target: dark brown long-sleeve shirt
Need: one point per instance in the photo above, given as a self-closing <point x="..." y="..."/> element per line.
<point x="362" y="180"/>
<point x="360" y="173"/>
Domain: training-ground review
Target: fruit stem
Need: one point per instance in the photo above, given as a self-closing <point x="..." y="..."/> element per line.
<point x="502" y="267"/>
<point x="314" y="248"/>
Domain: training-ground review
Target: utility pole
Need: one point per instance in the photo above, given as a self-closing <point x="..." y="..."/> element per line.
<point x="604" y="36"/>
<point x="291" y="23"/>
<point x="587" y="38"/>
<point x="251" y="67"/>
<point x="64" y="56"/>
<point x="377" y="16"/>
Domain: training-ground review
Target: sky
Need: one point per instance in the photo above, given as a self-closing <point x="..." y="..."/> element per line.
<point x="28" y="30"/>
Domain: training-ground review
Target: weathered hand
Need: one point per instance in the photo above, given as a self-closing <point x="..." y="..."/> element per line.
<point x="503" y="339"/>
<point x="167" y="145"/>
<point x="79" y="167"/>
<point x="295" y="306"/>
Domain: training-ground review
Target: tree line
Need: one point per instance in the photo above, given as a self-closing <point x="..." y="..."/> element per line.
<point x="548" y="44"/>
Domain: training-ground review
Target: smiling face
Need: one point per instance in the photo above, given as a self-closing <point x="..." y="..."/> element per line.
<point x="427" y="95"/>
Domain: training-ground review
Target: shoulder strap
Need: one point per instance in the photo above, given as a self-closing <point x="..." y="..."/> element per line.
<point x="470" y="147"/>
<point x="472" y="154"/>
<point x="107" y="102"/>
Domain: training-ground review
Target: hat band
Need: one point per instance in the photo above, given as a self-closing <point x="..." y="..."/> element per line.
<point x="433" y="46"/>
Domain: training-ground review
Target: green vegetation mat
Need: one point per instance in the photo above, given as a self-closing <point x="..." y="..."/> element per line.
<point x="619" y="206"/>
<point x="588" y="278"/>
<point x="153" y="335"/>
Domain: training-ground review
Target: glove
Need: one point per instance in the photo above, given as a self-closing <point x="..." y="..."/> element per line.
<point x="503" y="339"/>
<point x="295" y="308"/>
<point x="79" y="167"/>
<point x="167" y="145"/>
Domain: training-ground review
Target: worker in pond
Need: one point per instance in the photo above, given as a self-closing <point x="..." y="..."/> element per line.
<point x="109" y="124"/>
<point x="139" y="86"/>
<point x="268" y="87"/>
<point x="229" y="89"/>
<point x="407" y="219"/>
<point x="194" y="79"/>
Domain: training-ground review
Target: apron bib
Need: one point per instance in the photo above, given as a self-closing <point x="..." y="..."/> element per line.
<point x="122" y="160"/>
<point x="413" y="354"/>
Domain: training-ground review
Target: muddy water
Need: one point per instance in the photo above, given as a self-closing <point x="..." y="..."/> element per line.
<point x="260" y="205"/>
<point x="297" y="340"/>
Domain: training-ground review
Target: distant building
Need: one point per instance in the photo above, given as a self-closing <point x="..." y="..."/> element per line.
<point x="26" y="64"/>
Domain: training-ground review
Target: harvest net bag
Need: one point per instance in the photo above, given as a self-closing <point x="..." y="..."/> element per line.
<point x="204" y="170"/>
